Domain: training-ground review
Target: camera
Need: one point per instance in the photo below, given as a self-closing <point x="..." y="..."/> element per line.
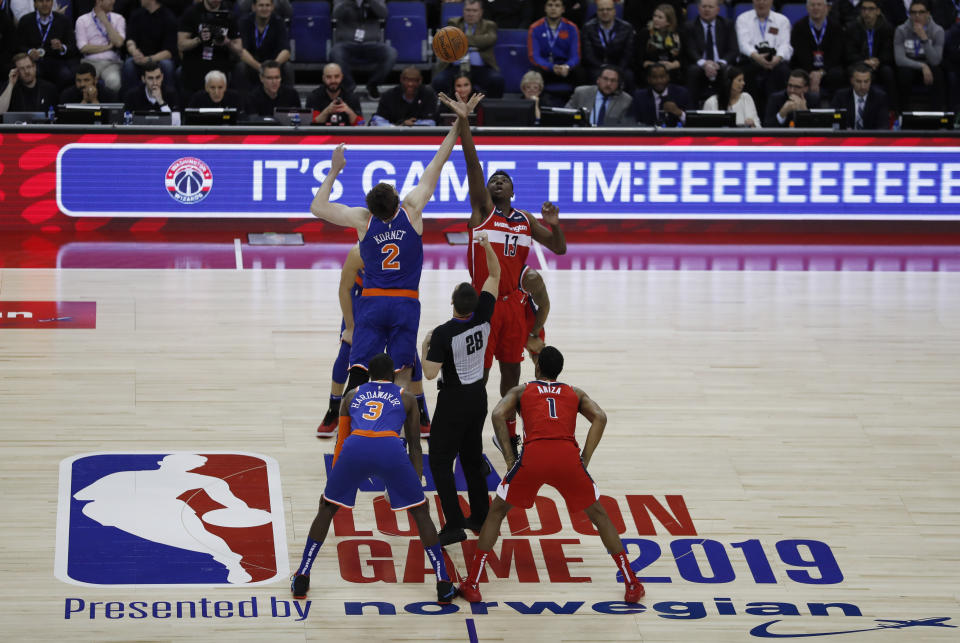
<point x="218" y="24"/>
<point x="765" y="50"/>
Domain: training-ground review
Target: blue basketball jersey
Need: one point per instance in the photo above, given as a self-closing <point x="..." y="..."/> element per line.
<point x="392" y="254"/>
<point x="377" y="407"/>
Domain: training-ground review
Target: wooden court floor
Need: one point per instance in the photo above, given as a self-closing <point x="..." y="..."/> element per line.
<point x="782" y="454"/>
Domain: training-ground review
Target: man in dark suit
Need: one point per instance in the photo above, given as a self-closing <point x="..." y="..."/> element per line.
<point x="47" y="36"/>
<point x="818" y="48"/>
<point x="706" y="62"/>
<point x="153" y="95"/>
<point x="866" y="105"/>
<point x="87" y="88"/>
<point x="661" y="102"/>
<point x="782" y="105"/>
<point x="604" y="101"/>
<point x="480" y="62"/>
<point x="869" y="39"/>
<point x="608" y="40"/>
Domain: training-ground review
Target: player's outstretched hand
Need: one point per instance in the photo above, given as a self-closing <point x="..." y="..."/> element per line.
<point x="550" y="213"/>
<point x="474" y="100"/>
<point x="337" y="159"/>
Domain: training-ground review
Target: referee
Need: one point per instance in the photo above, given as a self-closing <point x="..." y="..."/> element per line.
<point x="455" y="350"/>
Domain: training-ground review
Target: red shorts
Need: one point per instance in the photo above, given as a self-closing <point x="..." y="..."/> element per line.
<point x="553" y="462"/>
<point x="508" y="330"/>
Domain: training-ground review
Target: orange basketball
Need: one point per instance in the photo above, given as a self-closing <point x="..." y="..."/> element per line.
<point x="450" y="44"/>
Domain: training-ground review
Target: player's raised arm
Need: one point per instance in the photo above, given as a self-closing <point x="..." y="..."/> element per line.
<point x="480" y="202"/>
<point x="551" y="237"/>
<point x="348" y="276"/>
<point x="506" y="408"/>
<point x="337" y="213"/>
<point x="411" y="428"/>
<point x="598" y="421"/>
<point x="492" y="283"/>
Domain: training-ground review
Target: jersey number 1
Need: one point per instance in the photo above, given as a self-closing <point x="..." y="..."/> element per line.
<point x="390" y="261"/>
<point x="552" y="406"/>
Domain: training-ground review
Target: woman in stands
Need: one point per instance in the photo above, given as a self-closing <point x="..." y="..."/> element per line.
<point x="733" y="99"/>
<point x="660" y="43"/>
<point x="463" y="88"/>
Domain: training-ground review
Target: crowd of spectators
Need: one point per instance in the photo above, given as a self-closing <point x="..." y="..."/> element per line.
<point x="619" y="62"/>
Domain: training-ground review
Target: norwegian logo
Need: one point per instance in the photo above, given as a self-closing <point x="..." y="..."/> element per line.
<point x="170" y="518"/>
<point x="188" y="180"/>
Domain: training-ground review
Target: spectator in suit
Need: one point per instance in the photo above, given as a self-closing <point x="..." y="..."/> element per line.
<point x="410" y="103"/>
<point x="660" y="103"/>
<point x="918" y="52"/>
<point x="660" y="43"/>
<point x="100" y="37"/>
<point x="215" y="93"/>
<point x="154" y="94"/>
<point x="25" y="92"/>
<point x="783" y="104"/>
<point x="605" y="101"/>
<point x="732" y="98"/>
<point x="480" y="63"/>
<point x="510" y="14"/>
<point x="869" y="39"/>
<point x="206" y="45"/>
<point x="710" y="45"/>
<point x="359" y="40"/>
<point x="151" y="37"/>
<point x="818" y="48"/>
<point x="336" y="104"/>
<point x="272" y="94"/>
<point x="265" y="37"/>
<point x="8" y="38"/>
<point x="47" y="36"/>
<point x="608" y="40"/>
<point x="553" y="45"/>
<point x="866" y="105"/>
<point x="87" y="88"/>
<point x="764" y="39"/>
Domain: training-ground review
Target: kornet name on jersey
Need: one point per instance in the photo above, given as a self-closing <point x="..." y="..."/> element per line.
<point x="392" y="254"/>
<point x="549" y="411"/>
<point x="378" y="406"/>
<point x="510" y="236"/>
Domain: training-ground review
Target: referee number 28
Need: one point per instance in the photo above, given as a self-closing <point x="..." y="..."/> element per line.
<point x="474" y="342"/>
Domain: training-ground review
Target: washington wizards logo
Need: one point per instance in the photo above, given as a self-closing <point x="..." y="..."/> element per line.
<point x="188" y="180"/>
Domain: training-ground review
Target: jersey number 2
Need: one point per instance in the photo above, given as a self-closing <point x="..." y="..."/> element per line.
<point x="374" y="409"/>
<point x="390" y="261"/>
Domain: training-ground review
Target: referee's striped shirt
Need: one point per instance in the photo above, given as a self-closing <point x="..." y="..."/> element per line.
<point x="459" y="346"/>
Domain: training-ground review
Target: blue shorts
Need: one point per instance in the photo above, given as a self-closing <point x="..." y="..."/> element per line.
<point x="386" y="458"/>
<point x="391" y="322"/>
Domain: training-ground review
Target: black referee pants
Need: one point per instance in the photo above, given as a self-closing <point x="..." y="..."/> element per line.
<point x="456" y="430"/>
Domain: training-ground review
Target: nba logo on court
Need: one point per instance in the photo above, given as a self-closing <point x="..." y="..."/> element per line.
<point x="170" y="518"/>
<point x="188" y="180"/>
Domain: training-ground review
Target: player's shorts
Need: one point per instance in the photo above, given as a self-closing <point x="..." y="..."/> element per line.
<point x="553" y="462"/>
<point x="385" y="321"/>
<point x="508" y="330"/>
<point x="383" y="457"/>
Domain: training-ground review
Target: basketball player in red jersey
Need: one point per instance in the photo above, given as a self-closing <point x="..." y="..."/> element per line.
<point x="510" y="232"/>
<point x="550" y="456"/>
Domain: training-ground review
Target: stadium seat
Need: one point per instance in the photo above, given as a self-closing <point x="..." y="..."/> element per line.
<point x="450" y="10"/>
<point x="406" y="30"/>
<point x="794" y="11"/>
<point x="513" y="62"/>
<point x="512" y="37"/>
<point x="310" y="31"/>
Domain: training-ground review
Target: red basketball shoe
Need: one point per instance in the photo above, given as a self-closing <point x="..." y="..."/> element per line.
<point x="470" y="591"/>
<point x="634" y="593"/>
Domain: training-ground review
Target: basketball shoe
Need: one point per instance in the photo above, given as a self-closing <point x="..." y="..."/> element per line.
<point x="514" y="445"/>
<point x="451" y="534"/>
<point x="470" y="592"/>
<point x="445" y="592"/>
<point x="300" y="585"/>
<point x="425" y="430"/>
<point x="328" y="428"/>
<point x="634" y="593"/>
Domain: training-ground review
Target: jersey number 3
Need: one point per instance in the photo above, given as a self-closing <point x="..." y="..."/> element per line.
<point x="390" y="261"/>
<point x="374" y="409"/>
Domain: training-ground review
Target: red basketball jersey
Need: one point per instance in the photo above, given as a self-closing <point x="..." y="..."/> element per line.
<point x="549" y="411"/>
<point x="510" y="237"/>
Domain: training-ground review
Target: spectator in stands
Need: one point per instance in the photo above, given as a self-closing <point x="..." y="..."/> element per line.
<point x="710" y="45"/>
<point x="796" y="98"/>
<point x="265" y="37"/>
<point x="818" y="48"/>
<point x="553" y="46"/>
<point x="151" y="37"/>
<point x="281" y="8"/>
<point x="359" y="40"/>
<point x="869" y="39"/>
<point x="510" y="14"/>
<point x="336" y="104"/>
<point x="480" y="63"/>
<point x="8" y="37"/>
<point x="154" y="94"/>
<point x="918" y="51"/>
<point x="215" y="93"/>
<point x="24" y="91"/>
<point x="100" y="37"/>
<point x="605" y="100"/>
<point x="764" y="39"/>
<point x="272" y="94"/>
<point x="897" y="12"/>
<point x="410" y="103"/>
<point x="531" y="87"/>
<point x="951" y="65"/>
<point x="608" y="40"/>
<point x="866" y="105"/>
<point x="47" y="37"/>
<point x="87" y="88"/>
<point x="731" y="98"/>
<point x="463" y="89"/>
<point x="207" y="41"/>
<point x="660" y="43"/>
<point x="661" y="103"/>
<point x="639" y="12"/>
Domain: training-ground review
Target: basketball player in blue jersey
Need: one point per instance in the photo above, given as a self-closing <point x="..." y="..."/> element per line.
<point x="351" y="286"/>
<point x="391" y="247"/>
<point x="369" y="444"/>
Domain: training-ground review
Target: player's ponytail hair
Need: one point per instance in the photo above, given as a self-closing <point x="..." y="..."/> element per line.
<point x="382" y="201"/>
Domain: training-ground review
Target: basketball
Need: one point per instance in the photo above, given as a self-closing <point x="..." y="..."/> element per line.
<point x="450" y="44"/>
